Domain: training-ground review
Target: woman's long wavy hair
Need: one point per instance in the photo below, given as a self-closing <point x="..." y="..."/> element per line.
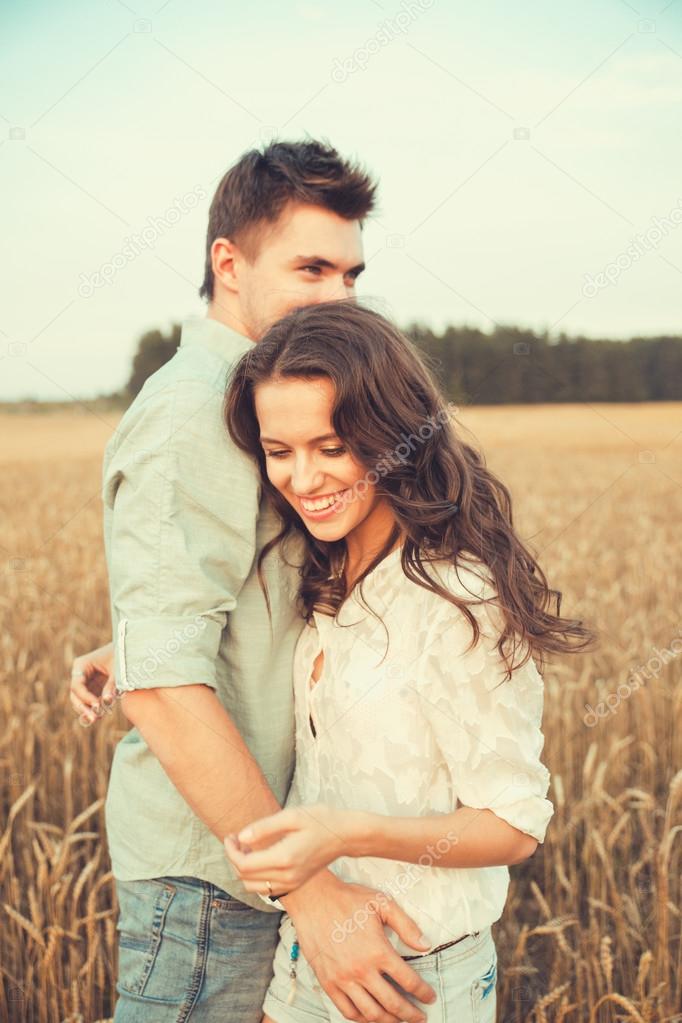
<point x="389" y="413"/>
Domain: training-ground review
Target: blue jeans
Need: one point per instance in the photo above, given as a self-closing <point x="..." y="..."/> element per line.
<point x="189" y="951"/>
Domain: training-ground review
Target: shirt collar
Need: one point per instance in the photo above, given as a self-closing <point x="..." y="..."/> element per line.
<point x="216" y="336"/>
<point x="388" y="567"/>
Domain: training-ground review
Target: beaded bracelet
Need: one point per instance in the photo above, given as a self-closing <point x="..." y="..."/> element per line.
<point x="293" y="961"/>
<point x="293" y="956"/>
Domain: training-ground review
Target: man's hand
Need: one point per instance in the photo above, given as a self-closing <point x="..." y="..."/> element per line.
<point x="92" y="686"/>
<point x="340" y="929"/>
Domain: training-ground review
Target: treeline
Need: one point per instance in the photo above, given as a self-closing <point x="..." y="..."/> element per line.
<point x="518" y="366"/>
<point x="153" y="349"/>
<point x="511" y="365"/>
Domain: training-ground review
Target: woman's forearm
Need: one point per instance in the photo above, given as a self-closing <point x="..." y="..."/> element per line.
<point x="464" y="838"/>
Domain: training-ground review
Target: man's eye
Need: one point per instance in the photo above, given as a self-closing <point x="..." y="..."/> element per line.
<point x="333" y="452"/>
<point x="317" y="270"/>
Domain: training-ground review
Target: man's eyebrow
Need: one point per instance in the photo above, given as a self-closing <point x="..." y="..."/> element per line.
<point x="327" y="264"/>
<point x="315" y="440"/>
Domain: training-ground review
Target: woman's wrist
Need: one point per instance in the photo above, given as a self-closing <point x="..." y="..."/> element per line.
<point x="362" y="832"/>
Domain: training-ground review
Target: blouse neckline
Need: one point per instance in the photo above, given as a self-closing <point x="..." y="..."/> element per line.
<point x="324" y="621"/>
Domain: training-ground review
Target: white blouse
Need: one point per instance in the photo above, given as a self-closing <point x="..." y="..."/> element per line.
<point x="419" y="732"/>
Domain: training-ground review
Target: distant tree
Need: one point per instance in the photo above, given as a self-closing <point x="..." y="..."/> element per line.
<point x="154" y="349"/>
<point x="514" y="365"/>
<point x="509" y="365"/>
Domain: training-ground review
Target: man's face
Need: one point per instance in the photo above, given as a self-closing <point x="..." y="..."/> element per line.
<point x="309" y="255"/>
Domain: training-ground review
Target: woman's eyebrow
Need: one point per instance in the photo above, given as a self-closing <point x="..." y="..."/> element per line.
<point x="315" y="440"/>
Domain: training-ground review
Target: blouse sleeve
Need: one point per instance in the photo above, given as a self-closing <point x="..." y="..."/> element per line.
<point x="490" y="738"/>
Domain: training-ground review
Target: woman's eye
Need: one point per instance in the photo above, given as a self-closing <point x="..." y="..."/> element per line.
<point x="275" y="454"/>
<point x="334" y="452"/>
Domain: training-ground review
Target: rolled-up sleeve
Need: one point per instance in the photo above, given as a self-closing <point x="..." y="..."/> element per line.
<point x="180" y="508"/>
<point x="488" y="730"/>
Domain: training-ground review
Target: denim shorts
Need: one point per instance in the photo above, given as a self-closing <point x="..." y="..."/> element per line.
<point x="187" y="950"/>
<point x="463" y="977"/>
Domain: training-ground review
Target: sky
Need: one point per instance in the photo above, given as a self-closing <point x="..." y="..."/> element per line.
<point x="528" y="156"/>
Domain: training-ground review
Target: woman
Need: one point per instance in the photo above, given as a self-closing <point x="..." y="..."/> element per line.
<point x="418" y="699"/>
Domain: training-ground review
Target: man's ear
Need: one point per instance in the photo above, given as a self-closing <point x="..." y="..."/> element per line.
<point x="223" y="255"/>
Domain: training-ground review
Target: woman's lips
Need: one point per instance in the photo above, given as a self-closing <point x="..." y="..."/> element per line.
<point x="324" y="513"/>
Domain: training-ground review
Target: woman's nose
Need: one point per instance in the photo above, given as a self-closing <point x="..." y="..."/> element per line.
<point x="306" y="478"/>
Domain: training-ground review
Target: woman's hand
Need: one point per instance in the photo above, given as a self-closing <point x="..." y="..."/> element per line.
<point x="290" y="846"/>
<point x="92" y="686"/>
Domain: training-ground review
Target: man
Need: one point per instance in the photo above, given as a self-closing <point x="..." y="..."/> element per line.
<point x="204" y="675"/>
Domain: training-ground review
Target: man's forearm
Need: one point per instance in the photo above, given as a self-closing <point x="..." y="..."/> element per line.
<point x="203" y="754"/>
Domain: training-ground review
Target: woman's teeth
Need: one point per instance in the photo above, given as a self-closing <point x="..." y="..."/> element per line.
<point x="321" y="502"/>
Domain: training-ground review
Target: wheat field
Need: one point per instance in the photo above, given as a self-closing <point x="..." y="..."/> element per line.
<point x="592" y="928"/>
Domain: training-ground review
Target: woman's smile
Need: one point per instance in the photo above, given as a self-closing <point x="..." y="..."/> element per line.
<point x="325" y="505"/>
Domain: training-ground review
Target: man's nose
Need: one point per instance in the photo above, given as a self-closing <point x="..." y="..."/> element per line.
<point x="336" y="288"/>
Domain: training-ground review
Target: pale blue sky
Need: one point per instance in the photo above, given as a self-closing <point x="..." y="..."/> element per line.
<point x="518" y="147"/>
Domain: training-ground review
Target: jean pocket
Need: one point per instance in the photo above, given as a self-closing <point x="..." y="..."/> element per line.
<point x="483" y="992"/>
<point x="228" y="904"/>
<point x="148" y="961"/>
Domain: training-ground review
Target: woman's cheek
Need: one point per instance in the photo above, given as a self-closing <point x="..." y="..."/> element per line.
<point x="277" y="476"/>
<point x="353" y="473"/>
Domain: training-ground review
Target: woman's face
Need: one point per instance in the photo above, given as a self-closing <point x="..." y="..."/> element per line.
<point x="307" y="461"/>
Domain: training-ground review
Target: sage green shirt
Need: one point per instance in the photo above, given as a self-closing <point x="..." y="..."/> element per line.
<point x="184" y="520"/>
